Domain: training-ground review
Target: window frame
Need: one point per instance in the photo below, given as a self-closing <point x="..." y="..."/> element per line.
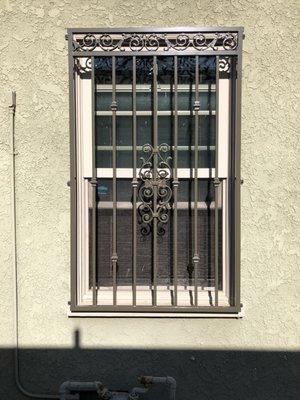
<point x="234" y="210"/>
<point x="84" y="146"/>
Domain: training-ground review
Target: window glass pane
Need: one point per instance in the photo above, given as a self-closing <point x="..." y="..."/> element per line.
<point x="123" y="70"/>
<point x="207" y="98"/>
<point x="103" y="99"/>
<point x="123" y="84"/>
<point x="104" y="190"/>
<point x="186" y="98"/>
<point x="165" y="81"/>
<point x="206" y="159"/>
<point x="144" y="70"/>
<point x="103" y="131"/>
<point x="144" y="99"/>
<point x="103" y="70"/>
<point x="124" y="140"/>
<point x="104" y="143"/>
<point x="206" y="132"/>
<point x="144" y="130"/>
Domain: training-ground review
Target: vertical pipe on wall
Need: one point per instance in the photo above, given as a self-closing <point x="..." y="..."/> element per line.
<point x="25" y="392"/>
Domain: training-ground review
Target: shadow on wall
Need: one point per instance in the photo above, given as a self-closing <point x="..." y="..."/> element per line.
<point x="200" y="374"/>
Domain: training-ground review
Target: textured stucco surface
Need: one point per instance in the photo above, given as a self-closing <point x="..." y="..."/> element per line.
<point x="34" y="63"/>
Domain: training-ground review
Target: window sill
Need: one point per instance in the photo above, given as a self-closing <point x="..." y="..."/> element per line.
<point x="206" y="296"/>
<point x="95" y="314"/>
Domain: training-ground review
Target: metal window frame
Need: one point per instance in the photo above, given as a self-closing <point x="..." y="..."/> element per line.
<point x="234" y="148"/>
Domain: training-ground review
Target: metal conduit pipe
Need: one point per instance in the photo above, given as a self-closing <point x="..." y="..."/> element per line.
<point x="12" y="109"/>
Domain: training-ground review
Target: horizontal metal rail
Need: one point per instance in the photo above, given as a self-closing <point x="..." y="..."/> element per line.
<point x="80" y="54"/>
<point x="179" y="29"/>
<point x="181" y="205"/>
<point x="178" y="148"/>
<point x="161" y="88"/>
<point x="163" y="309"/>
<point x="159" y="113"/>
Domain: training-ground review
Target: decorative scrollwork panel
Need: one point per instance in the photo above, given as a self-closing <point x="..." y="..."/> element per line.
<point x="155" y="192"/>
<point x="143" y="42"/>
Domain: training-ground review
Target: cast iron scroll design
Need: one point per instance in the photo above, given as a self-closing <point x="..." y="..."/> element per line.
<point x="155" y="176"/>
<point x="83" y="66"/>
<point x="201" y="41"/>
<point x="224" y="65"/>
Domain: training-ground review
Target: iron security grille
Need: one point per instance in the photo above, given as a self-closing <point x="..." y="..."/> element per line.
<point x="155" y="169"/>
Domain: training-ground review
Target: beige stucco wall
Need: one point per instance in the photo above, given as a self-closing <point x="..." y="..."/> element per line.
<point x="34" y="63"/>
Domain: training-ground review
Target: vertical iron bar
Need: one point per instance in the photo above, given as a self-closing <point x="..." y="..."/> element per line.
<point x="231" y="182"/>
<point x="155" y="159"/>
<point x="94" y="189"/>
<point x="217" y="185"/>
<point x="238" y="103"/>
<point x="175" y="181"/>
<point x="134" y="182"/>
<point x="73" y="172"/>
<point x="196" y="143"/>
<point x="114" y="257"/>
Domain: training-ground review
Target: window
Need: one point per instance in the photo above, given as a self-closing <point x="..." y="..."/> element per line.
<point x="155" y="170"/>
